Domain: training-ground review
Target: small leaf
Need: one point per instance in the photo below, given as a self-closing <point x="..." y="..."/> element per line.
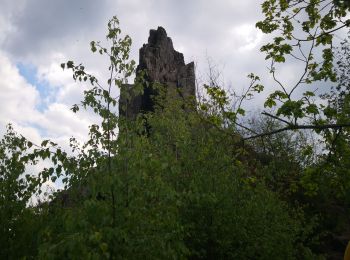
<point x="44" y="143"/>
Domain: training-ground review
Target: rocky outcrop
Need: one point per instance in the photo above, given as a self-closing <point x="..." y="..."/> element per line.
<point x="161" y="64"/>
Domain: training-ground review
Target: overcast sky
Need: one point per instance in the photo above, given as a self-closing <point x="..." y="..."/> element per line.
<point x="36" y="36"/>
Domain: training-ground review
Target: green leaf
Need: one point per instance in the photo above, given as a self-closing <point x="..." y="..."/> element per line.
<point x="309" y="94"/>
<point x="44" y="143"/>
<point x="70" y="64"/>
<point x="269" y="103"/>
<point x="241" y="111"/>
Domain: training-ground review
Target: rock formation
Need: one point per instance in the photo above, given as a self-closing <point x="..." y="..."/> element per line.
<point x="162" y="64"/>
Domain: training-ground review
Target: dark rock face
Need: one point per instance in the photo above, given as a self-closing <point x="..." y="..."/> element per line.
<point x="164" y="65"/>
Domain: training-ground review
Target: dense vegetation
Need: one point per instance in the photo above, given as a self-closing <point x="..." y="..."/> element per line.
<point x="190" y="180"/>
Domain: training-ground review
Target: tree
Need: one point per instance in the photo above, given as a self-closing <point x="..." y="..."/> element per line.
<point x="327" y="182"/>
<point x="302" y="29"/>
<point x="305" y="31"/>
<point x="19" y="219"/>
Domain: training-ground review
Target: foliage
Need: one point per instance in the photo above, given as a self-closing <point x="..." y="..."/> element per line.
<point x="181" y="181"/>
<point x="328" y="181"/>
<point x="303" y="32"/>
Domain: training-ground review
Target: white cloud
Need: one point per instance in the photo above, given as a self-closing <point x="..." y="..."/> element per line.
<point x="19" y="101"/>
<point x="53" y="72"/>
<point x="248" y="37"/>
<point x="18" y="98"/>
<point x="46" y="33"/>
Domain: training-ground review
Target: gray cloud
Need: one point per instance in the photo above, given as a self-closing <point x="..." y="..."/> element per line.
<point x="197" y="27"/>
<point x="219" y="29"/>
<point x="40" y="24"/>
<point x="45" y="33"/>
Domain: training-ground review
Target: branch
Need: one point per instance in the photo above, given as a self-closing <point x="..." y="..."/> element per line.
<point x="346" y="24"/>
<point x="272" y="70"/>
<point x="298" y="127"/>
<point x="306" y="67"/>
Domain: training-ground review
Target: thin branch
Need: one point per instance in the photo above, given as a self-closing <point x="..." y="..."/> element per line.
<point x="296" y="57"/>
<point x="276" y="117"/>
<point x="244" y="96"/>
<point x="301" y="51"/>
<point x="305" y="70"/>
<point x="275" y="78"/>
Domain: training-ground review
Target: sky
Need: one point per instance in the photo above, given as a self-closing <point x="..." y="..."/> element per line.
<point x="36" y="36"/>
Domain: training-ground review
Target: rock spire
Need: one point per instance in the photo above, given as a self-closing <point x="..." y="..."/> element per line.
<point x="164" y="65"/>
